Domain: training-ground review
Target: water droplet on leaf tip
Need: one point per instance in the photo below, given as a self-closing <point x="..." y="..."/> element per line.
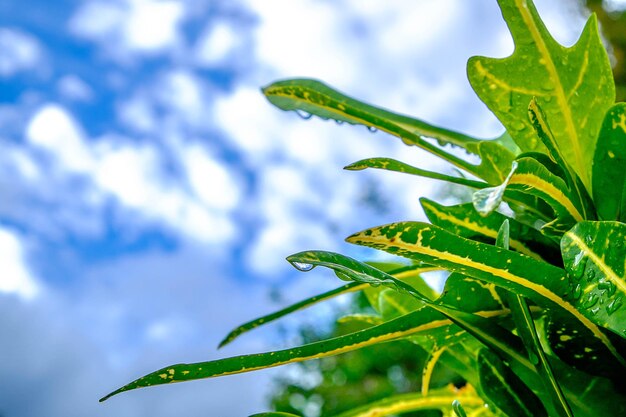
<point x="302" y="266"/>
<point x="304" y="115"/>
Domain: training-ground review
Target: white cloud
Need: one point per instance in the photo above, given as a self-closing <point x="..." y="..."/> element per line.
<point x="145" y="26"/>
<point x="217" y="44"/>
<point x="16" y="277"/>
<point x="74" y="88"/>
<point x="19" y="51"/>
<point x="213" y="184"/>
<point x="134" y="176"/>
<point x="52" y="128"/>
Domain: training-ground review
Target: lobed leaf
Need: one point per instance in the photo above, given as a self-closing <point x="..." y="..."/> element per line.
<point x="574" y="85"/>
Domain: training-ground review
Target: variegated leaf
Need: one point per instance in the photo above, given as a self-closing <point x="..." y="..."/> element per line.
<point x="573" y="85"/>
<point x="609" y="175"/>
<point x="462" y="220"/>
<point x="314" y="97"/>
<point x="541" y="282"/>
<point x="595" y="258"/>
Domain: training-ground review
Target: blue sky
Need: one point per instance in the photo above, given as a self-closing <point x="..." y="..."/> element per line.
<point x="149" y="194"/>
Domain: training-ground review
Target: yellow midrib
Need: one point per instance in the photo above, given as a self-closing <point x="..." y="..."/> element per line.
<point x="504" y="274"/>
<point x="608" y="272"/>
<point x="559" y="92"/>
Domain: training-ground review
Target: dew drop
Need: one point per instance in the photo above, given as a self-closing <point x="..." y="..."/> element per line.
<point x="579" y="256"/>
<point x="534" y="359"/>
<point x="372" y="129"/>
<point x="304" y="115"/>
<point x="590" y="301"/>
<point x="578" y="291"/>
<point x="339" y="122"/>
<point x="614" y="305"/>
<point x="302" y="266"/>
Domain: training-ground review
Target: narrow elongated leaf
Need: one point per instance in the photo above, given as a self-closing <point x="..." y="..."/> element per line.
<point x="505" y="390"/>
<point x="609" y="175"/>
<point x="389" y="164"/>
<point x="533" y="178"/>
<point x="573" y="85"/>
<point x="485" y="330"/>
<point x="441" y="399"/>
<point x="578" y="191"/>
<point x="314" y="97"/>
<point x="543" y="283"/>
<point x="274" y="414"/>
<point x="253" y="324"/>
<point x="410" y="324"/>
<point x="594" y="254"/>
<point x="526" y="329"/>
<point x="462" y="220"/>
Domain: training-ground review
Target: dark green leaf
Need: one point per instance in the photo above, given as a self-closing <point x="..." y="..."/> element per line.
<point x="609" y="175"/>
<point x="505" y="389"/>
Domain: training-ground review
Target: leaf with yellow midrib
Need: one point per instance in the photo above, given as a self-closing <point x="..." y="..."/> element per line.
<point x="573" y="85"/>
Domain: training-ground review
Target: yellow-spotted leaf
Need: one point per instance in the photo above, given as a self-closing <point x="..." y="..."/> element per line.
<point x="574" y="85"/>
<point x="311" y="97"/>
<point x="609" y="174"/>
<point x="440" y="399"/>
<point x="545" y="284"/>
<point x="420" y="321"/>
<point x="253" y="324"/>
<point x="531" y="177"/>
<point x="462" y="220"/>
<point x="389" y="164"/>
<point x="594" y="254"/>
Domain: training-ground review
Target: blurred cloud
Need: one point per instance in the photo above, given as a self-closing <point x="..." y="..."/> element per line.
<point x="19" y="51"/>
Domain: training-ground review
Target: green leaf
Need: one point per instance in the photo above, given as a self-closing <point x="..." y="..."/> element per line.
<point x="526" y="329"/>
<point x="462" y="220"/>
<point x="441" y="399"/>
<point x="574" y="85"/>
<point x="533" y="178"/>
<point x="505" y="389"/>
<point x="389" y="164"/>
<point x="594" y="253"/>
<point x="485" y="330"/>
<point x="578" y="191"/>
<point x="253" y="324"/>
<point x="609" y="175"/>
<point x="408" y="325"/>
<point x="314" y="97"/>
<point x="543" y="283"/>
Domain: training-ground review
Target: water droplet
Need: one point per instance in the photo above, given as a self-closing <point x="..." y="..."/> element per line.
<point x="590" y="274"/>
<point x="534" y="359"/>
<point x="303" y="114"/>
<point x="607" y="286"/>
<point x="339" y="122"/>
<point x="488" y="199"/>
<point x="614" y="305"/>
<point x="578" y="291"/>
<point x="579" y="256"/>
<point x="590" y="301"/>
<point x="372" y="129"/>
<point x="547" y="86"/>
<point x="302" y="266"/>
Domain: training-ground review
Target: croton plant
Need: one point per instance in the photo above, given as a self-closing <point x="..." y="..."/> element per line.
<point x="533" y="312"/>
